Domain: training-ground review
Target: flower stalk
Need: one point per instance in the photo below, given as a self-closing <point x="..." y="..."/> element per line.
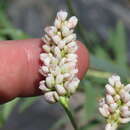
<point x="64" y="101"/>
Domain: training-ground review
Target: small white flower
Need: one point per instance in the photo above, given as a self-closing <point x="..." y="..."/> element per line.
<point x="72" y="86"/>
<point x="66" y="31"/>
<point x="69" y="38"/>
<point x="51" y="97"/>
<point x="62" y="15"/>
<point x="72" y="22"/>
<point x="61" y="90"/>
<point x="109" y="99"/>
<point x="109" y="89"/>
<point x="113" y="107"/>
<point x="57" y="52"/>
<point x="51" y="30"/>
<point x="56" y="39"/>
<point x="45" y="69"/>
<point x="59" y="79"/>
<point x="45" y="58"/>
<point x="44" y="88"/>
<point x="57" y="23"/>
<point x="104" y="112"/>
<point x="113" y="79"/>
<point x="124" y="120"/>
<point x="111" y="126"/>
<point x="46" y="48"/>
<point x="50" y="81"/>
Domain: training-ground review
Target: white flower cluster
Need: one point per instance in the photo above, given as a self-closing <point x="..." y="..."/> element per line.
<point x="59" y="59"/>
<point x="115" y="107"/>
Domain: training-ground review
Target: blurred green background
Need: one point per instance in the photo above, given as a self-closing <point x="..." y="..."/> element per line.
<point x="104" y="27"/>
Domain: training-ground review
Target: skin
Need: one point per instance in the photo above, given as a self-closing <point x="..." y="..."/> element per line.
<point x="19" y="64"/>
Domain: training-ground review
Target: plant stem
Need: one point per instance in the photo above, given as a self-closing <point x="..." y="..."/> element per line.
<point x="65" y="104"/>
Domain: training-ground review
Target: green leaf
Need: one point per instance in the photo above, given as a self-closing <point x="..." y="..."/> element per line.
<point x="107" y="66"/>
<point x="27" y="103"/>
<point x="91" y="93"/>
<point x="8" y="107"/>
<point x="118" y="43"/>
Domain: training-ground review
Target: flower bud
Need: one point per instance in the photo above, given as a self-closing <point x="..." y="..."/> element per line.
<point x="104" y="112"/>
<point x="61" y="90"/>
<point x="59" y="78"/>
<point x="46" y="48"/>
<point x="51" y="97"/>
<point x="124" y="120"/>
<point x="62" y="15"/>
<point x="72" y="22"/>
<point x="50" y="81"/>
<point x="109" y="89"/>
<point x="109" y="99"/>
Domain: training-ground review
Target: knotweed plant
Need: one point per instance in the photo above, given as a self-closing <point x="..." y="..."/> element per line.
<point x="60" y="61"/>
<point x="115" y="106"/>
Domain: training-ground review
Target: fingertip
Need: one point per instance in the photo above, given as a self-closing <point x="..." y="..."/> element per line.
<point x="83" y="59"/>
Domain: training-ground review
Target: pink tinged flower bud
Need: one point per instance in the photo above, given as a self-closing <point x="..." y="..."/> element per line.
<point x="72" y="86"/>
<point x="46" y="48"/>
<point x="69" y="38"/>
<point x="56" y="71"/>
<point x="46" y="39"/>
<point x="57" y="23"/>
<point x="118" y="85"/>
<point x="110" y="90"/>
<point x="51" y="97"/>
<point x="62" y="15"/>
<point x="124" y="110"/>
<point x="125" y="96"/>
<point x="61" y="44"/>
<point x="128" y="103"/>
<point x="59" y="79"/>
<point x="127" y="88"/>
<point x="110" y="126"/>
<point x="54" y="61"/>
<point x="125" y="113"/>
<point x="56" y="39"/>
<point x="51" y="30"/>
<point x="117" y="97"/>
<point x="44" y="88"/>
<point x="113" y="107"/>
<point x="45" y="58"/>
<point x="50" y="81"/>
<point x="72" y="22"/>
<point x="60" y="90"/>
<point x="72" y="47"/>
<point x="57" y="52"/>
<point x="45" y="69"/>
<point x="66" y="31"/>
<point x="66" y="75"/>
<point x="74" y="71"/>
<point x="113" y="79"/>
<point x="110" y="99"/>
<point x="124" y="120"/>
<point x="104" y="112"/>
<point x="72" y="56"/>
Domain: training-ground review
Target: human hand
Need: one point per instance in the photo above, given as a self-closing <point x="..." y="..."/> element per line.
<point x="19" y="64"/>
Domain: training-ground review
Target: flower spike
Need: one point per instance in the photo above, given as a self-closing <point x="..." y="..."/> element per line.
<point x="59" y="59"/>
<point x="115" y="106"/>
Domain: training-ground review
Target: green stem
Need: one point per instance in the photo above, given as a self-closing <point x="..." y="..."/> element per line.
<point x="65" y="104"/>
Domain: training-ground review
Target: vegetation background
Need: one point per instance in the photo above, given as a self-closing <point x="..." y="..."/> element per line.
<point x="104" y="28"/>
